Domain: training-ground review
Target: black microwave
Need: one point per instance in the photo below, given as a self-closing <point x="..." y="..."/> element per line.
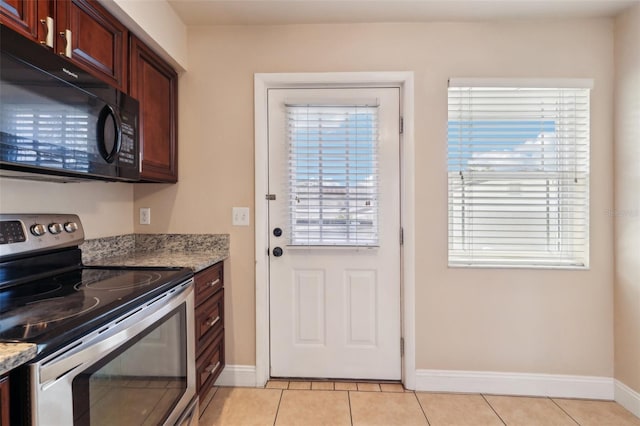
<point x="57" y="120"/>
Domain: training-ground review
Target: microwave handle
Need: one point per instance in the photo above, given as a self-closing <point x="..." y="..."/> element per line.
<point x="109" y="155"/>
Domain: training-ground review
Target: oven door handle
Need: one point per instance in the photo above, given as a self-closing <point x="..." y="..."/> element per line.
<point x="107" y="339"/>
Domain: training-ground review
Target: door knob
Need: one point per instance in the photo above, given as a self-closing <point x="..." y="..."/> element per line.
<point x="277" y="252"/>
<point x="277" y="232"/>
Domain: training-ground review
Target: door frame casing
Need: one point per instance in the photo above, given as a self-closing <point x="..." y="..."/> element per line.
<point x="403" y="80"/>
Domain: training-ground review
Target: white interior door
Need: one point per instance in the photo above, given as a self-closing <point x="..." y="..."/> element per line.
<point x="334" y="226"/>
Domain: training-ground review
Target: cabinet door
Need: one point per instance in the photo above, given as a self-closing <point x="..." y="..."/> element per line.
<point x="155" y="85"/>
<point x="27" y="17"/>
<point x="4" y="401"/>
<point x="92" y="39"/>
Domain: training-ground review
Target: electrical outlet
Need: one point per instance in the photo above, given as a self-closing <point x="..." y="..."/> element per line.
<point x="240" y="216"/>
<point x="145" y="216"/>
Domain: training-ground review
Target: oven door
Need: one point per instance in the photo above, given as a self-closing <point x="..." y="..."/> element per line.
<point x="139" y="369"/>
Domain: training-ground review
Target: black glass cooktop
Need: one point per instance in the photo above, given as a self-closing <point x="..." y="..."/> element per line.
<point x="52" y="311"/>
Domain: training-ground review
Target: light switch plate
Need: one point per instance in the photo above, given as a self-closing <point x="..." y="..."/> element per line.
<point x="145" y="216"/>
<point x="240" y="216"/>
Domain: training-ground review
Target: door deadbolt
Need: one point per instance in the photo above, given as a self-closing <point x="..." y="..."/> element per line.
<point x="277" y="232"/>
<point x="277" y="252"/>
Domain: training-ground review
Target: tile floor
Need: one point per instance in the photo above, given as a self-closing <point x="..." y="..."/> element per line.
<point x="307" y="403"/>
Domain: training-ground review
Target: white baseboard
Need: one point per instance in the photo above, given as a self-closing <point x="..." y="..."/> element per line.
<point x="554" y="385"/>
<point x="627" y="397"/>
<point x="237" y="375"/>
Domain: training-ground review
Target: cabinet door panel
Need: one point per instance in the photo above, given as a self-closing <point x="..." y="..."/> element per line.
<point x="155" y="84"/>
<point x="98" y="40"/>
<point x="24" y="16"/>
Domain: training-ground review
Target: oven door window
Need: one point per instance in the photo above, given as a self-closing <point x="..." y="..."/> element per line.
<point x="138" y="383"/>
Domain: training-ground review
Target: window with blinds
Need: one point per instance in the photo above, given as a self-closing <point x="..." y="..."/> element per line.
<point x="333" y="175"/>
<point x="518" y="185"/>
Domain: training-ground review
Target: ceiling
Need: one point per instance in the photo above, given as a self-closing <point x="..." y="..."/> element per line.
<point x="274" y="12"/>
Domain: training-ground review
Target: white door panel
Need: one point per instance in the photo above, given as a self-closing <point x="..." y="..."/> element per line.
<point x="335" y="310"/>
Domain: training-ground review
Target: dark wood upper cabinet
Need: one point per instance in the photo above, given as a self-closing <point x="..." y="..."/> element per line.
<point x="86" y="34"/>
<point x="28" y="17"/>
<point x="80" y="30"/>
<point x="155" y="85"/>
<point x="92" y="39"/>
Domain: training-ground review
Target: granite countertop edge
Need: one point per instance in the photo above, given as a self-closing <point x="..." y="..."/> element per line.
<point x="13" y="355"/>
<point x="194" y="251"/>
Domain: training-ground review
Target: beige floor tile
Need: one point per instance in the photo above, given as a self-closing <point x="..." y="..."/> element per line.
<point x="525" y="411"/>
<point x="207" y="399"/>
<point x="369" y="387"/>
<point x="300" y="385"/>
<point x="391" y="387"/>
<point x="345" y="386"/>
<point x="242" y="407"/>
<point x="598" y="413"/>
<point x="311" y="408"/>
<point x="385" y="409"/>
<point x="322" y="385"/>
<point x="457" y="409"/>
<point x="277" y="384"/>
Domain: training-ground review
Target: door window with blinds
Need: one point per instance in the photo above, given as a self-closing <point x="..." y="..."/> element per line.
<point x="518" y="174"/>
<point x="333" y="175"/>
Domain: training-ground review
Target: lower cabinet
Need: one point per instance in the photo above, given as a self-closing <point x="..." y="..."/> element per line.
<point x="4" y="401"/>
<point x="209" y="327"/>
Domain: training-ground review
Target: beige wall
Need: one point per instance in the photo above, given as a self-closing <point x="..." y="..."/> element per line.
<point x="104" y="208"/>
<point x="539" y="321"/>
<point x="627" y="199"/>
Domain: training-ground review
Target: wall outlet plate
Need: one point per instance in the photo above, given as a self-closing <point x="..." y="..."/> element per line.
<point x="240" y="216"/>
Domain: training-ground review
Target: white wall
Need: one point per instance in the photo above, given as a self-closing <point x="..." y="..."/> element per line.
<point x="537" y="321"/>
<point x="155" y="23"/>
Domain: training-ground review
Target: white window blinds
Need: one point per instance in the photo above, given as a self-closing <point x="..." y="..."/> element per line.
<point x="518" y="166"/>
<point x="333" y="175"/>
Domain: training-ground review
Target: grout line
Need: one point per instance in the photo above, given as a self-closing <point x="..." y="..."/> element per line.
<point x="350" y="412"/>
<point x="275" y="419"/>
<point x="493" y="409"/>
<point x="563" y="410"/>
<point x="424" y="413"/>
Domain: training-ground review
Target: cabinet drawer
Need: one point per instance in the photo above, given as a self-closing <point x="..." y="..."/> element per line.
<point x="209" y="320"/>
<point x="208" y="282"/>
<point x="209" y="365"/>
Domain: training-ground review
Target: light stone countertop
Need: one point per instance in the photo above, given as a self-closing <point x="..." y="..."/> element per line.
<point x="13" y="355"/>
<point x="195" y="251"/>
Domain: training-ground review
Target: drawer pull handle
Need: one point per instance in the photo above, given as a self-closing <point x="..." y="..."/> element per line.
<point x="212" y="322"/>
<point x="48" y="26"/>
<point x="213" y="283"/>
<point x="210" y="369"/>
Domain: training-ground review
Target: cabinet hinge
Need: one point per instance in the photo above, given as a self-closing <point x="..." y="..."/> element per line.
<point x="401" y="236"/>
<point x="402" y="346"/>
<point x="270" y="197"/>
<point x="401" y="125"/>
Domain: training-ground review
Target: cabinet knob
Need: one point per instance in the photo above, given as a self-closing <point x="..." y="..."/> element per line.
<point x="213" y="283"/>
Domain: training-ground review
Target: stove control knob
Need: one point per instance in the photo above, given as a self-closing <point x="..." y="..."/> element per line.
<point x="38" y="230"/>
<point x="55" y="228"/>
<point x="71" y="227"/>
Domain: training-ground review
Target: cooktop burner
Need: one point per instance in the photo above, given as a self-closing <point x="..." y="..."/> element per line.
<point x="50" y="310"/>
